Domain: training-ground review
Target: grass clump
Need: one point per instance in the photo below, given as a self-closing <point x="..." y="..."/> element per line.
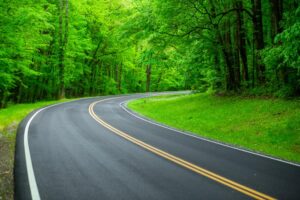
<point x="270" y="126"/>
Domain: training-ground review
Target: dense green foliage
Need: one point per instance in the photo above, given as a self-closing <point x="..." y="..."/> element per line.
<point x="51" y="49"/>
<point x="235" y="45"/>
<point x="270" y="126"/>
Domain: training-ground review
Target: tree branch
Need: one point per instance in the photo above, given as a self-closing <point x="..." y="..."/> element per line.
<point x="194" y="29"/>
<point x="232" y="10"/>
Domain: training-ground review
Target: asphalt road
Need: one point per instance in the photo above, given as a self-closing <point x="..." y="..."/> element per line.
<point x="95" y="149"/>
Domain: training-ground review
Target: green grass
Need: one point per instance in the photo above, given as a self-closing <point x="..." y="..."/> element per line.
<point x="15" y="113"/>
<point x="9" y="119"/>
<point x="270" y="126"/>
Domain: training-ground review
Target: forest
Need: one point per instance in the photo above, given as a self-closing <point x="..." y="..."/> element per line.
<point x="74" y="48"/>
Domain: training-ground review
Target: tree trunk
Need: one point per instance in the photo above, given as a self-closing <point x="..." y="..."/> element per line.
<point x="63" y="40"/>
<point x="158" y="80"/>
<point x="217" y="84"/>
<point x="148" y="81"/>
<point x="225" y="42"/>
<point x="241" y="37"/>
<point x="229" y="58"/>
<point x="92" y="79"/>
<point x="120" y="77"/>
<point x="66" y="24"/>
<point x="61" y="52"/>
<point x="276" y="17"/>
<point x="258" y="39"/>
<point x="237" y="72"/>
<point x="117" y="75"/>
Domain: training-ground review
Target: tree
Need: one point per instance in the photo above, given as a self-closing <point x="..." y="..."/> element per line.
<point x="83" y="48"/>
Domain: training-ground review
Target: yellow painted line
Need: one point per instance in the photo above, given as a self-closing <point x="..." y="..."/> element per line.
<point x="199" y="170"/>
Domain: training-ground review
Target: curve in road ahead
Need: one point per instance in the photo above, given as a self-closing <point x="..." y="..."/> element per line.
<point x="63" y="153"/>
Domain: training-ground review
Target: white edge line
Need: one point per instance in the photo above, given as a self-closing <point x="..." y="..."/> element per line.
<point x="123" y="105"/>
<point x="35" y="195"/>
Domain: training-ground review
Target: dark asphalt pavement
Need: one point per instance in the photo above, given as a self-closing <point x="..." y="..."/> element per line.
<point x="74" y="157"/>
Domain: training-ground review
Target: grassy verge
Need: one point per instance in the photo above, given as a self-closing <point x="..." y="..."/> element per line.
<point x="9" y="120"/>
<point x="270" y="126"/>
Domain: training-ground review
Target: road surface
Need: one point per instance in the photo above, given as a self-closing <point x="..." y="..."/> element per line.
<point x="96" y="149"/>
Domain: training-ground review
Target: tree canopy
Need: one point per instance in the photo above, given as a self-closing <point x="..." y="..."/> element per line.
<point x="52" y="49"/>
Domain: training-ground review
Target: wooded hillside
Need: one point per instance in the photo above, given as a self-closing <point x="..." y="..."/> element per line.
<point x="52" y="49"/>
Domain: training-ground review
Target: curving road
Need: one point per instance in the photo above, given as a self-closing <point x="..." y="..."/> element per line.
<point x="97" y="149"/>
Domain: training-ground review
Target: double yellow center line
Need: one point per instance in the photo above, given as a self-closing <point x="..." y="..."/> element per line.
<point x="199" y="170"/>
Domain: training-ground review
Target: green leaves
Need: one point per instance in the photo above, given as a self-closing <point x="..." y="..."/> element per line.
<point x="133" y="45"/>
